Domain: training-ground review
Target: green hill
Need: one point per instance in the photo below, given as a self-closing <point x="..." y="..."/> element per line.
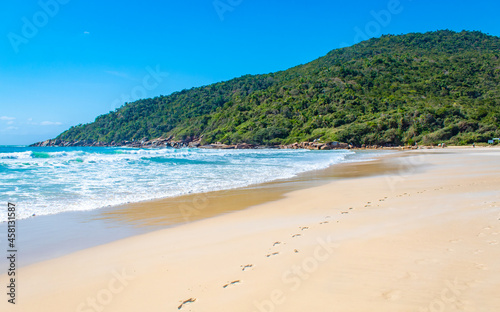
<point x="434" y="87"/>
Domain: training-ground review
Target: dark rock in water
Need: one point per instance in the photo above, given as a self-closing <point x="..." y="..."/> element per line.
<point x="192" y="142"/>
<point x="317" y="145"/>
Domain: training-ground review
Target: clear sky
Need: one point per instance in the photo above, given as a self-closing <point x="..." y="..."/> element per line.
<point x="64" y="62"/>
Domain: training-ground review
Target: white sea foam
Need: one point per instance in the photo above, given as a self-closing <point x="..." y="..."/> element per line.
<point x="54" y="180"/>
<point x="16" y="155"/>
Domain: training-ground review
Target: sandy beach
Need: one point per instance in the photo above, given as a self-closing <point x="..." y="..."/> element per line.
<point x="414" y="231"/>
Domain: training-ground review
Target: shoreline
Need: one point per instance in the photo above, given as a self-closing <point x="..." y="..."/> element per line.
<point x="40" y="235"/>
<point x="393" y="242"/>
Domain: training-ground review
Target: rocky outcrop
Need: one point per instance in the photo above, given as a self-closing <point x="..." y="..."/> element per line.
<point x="219" y="145"/>
<point x="189" y="142"/>
<point x="317" y="146"/>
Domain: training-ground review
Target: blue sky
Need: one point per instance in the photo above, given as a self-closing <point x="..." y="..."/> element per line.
<point x="64" y="62"/>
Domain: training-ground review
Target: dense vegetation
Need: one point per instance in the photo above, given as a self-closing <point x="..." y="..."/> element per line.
<point x="434" y="87"/>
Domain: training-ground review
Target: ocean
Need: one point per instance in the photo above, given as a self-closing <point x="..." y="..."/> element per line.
<point x="43" y="181"/>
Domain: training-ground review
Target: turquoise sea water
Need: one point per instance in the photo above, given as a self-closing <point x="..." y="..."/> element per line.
<point x="51" y="180"/>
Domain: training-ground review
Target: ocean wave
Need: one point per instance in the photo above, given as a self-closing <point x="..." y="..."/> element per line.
<point x="67" y="179"/>
<point x="16" y="155"/>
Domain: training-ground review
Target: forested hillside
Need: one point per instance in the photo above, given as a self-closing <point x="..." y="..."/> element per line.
<point x="428" y="88"/>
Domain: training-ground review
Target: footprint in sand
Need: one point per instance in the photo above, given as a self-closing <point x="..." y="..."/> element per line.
<point x="304" y="228"/>
<point x="493" y="242"/>
<point x="408" y="276"/>
<point x="324" y="222"/>
<point x="392" y="295"/>
<point x="296" y="235"/>
<point x="273" y="254"/>
<point x="232" y="283"/>
<point x="296" y="251"/>
<point x="244" y="267"/>
<point x="276" y="243"/>
<point x="345" y="212"/>
<point x="481" y="266"/>
<point x="190" y="300"/>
